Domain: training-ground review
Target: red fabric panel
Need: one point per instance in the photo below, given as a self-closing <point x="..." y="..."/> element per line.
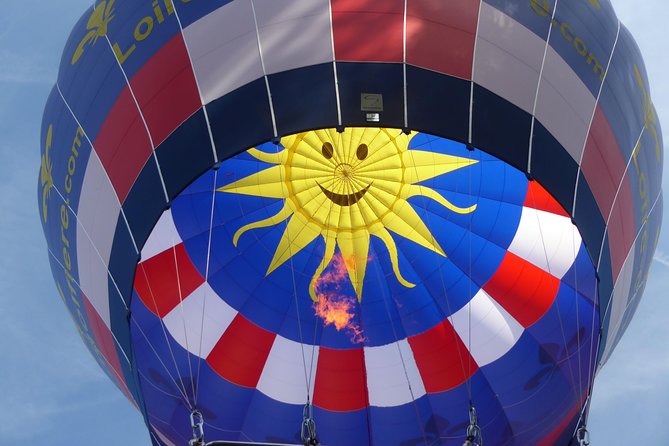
<point x="368" y="30"/>
<point x="441" y="35"/>
<point x="122" y="144"/>
<point x="166" y="90"/>
<point x="107" y="346"/>
<point x="524" y="290"/>
<point x="341" y="384"/>
<point x="539" y="198"/>
<point x="603" y="167"/>
<point x="442" y="358"/>
<point x="157" y="283"/>
<point x="240" y="355"/>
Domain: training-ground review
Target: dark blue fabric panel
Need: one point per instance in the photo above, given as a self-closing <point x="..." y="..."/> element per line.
<point x="553" y="165"/>
<point x="241" y="119"/>
<point x="589" y="220"/>
<point x="386" y="79"/>
<point x="145" y="202"/>
<point x="92" y="84"/>
<point x="438" y="104"/>
<point x="185" y="154"/>
<point x="304" y="99"/>
<point x="500" y="128"/>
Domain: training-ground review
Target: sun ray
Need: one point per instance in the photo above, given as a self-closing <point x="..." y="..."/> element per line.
<point x="388" y="240"/>
<point x="404" y="221"/>
<point x="413" y="190"/>
<point x="354" y="249"/>
<point x="267" y="183"/>
<point x="299" y="233"/>
<point x="280" y="216"/>
<point x="330" y="243"/>
<point x="268" y="157"/>
<point x="422" y="166"/>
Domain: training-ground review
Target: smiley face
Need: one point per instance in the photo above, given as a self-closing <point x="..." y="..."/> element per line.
<point x="345" y="172"/>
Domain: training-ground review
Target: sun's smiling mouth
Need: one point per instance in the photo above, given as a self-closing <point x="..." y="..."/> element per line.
<point x="344" y="200"/>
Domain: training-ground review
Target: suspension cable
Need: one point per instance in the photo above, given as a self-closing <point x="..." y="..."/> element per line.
<point x="474" y="435"/>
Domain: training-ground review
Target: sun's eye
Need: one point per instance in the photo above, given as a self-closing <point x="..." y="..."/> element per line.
<point x="327" y="150"/>
<point x="362" y="151"/>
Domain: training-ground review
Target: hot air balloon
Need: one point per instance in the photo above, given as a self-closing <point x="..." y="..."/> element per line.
<point x="406" y="222"/>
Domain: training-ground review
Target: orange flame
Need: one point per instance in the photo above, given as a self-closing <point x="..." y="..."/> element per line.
<point x="335" y="307"/>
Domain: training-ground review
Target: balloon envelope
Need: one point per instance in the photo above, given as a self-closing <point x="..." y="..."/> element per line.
<point x="388" y="211"/>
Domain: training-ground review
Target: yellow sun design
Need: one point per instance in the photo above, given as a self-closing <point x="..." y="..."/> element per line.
<point x="346" y="187"/>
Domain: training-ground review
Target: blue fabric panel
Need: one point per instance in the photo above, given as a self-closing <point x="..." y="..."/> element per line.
<point x="554" y="166"/>
<point x="185" y="154"/>
<point x="589" y="220"/>
<point x="438" y="104"/>
<point x="500" y="128"/>
<point x="64" y="168"/>
<point x="93" y="83"/>
<point x="138" y="31"/>
<point x="581" y="277"/>
<point x="622" y="98"/>
<point x="304" y="99"/>
<point x="583" y="35"/>
<point x="190" y="11"/>
<point x="241" y="119"/>
<point x="357" y="78"/>
<point x="145" y="203"/>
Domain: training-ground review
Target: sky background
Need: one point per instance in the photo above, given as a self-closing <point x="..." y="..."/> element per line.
<point x="52" y="391"/>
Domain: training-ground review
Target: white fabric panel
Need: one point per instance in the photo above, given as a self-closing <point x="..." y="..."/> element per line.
<point x="294" y="33"/>
<point x="163" y="237"/>
<point x="93" y="275"/>
<point x="97" y="217"/>
<point x="99" y="208"/>
<point x="390" y="370"/>
<point x="546" y="240"/>
<point x="618" y="303"/>
<point x="224" y="49"/>
<point x="564" y="104"/>
<point x="508" y="58"/>
<point x="186" y="325"/>
<point x="493" y="330"/>
<point x="283" y="377"/>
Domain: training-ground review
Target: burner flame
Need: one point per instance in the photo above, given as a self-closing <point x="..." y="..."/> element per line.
<point x="335" y="307"/>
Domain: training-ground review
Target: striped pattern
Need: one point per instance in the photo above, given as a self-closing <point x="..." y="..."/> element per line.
<point x="437" y="360"/>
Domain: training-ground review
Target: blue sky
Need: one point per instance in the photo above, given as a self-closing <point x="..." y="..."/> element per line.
<point x="52" y="391"/>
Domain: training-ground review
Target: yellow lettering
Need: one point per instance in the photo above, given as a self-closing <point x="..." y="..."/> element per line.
<point x="580" y="46"/>
<point x="68" y="184"/>
<point x="158" y="12"/>
<point x="567" y="32"/>
<point x="122" y="56"/>
<point x="67" y="259"/>
<point x="147" y="23"/>
<point x="541" y="7"/>
<point x="64" y="239"/>
<point x="169" y="6"/>
<point x="71" y="165"/>
<point x="64" y="217"/>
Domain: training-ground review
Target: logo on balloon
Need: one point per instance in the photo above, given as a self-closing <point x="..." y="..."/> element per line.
<point x="346" y="187"/>
<point x="46" y="173"/>
<point x="97" y="25"/>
